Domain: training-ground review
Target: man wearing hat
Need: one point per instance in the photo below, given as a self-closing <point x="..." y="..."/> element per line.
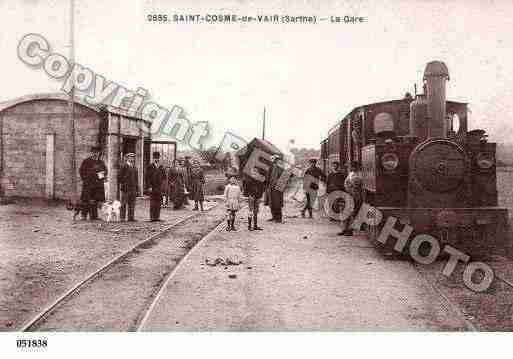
<point x="313" y="175"/>
<point x="354" y="186"/>
<point x="93" y="173"/>
<point x="128" y="180"/>
<point x="274" y="195"/>
<point x="155" y="176"/>
<point x="335" y="182"/>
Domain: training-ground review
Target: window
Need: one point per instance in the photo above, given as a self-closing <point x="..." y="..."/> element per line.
<point x="383" y="122"/>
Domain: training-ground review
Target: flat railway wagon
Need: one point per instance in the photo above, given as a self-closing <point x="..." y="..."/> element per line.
<point x="422" y="167"/>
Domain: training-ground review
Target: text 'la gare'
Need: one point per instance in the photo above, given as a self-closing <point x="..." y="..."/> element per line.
<point x="347" y="18"/>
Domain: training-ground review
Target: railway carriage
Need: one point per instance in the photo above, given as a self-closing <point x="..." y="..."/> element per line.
<point x="421" y="165"/>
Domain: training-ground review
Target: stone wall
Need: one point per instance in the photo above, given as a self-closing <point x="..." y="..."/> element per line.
<point x="25" y="129"/>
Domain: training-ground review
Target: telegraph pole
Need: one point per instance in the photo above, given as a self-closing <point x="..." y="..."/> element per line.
<point x="263" y="127"/>
<point x="71" y="102"/>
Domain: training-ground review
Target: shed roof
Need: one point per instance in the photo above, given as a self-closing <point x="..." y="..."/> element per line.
<point x="64" y="97"/>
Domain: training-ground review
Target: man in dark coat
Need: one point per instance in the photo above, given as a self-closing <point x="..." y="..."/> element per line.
<point x="93" y="173"/>
<point x="336" y="178"/>
<point x="275" y="194"/>
<point x="254" y="189"/>
<point x="311" y="179"/>
<point x="354" y="186"/>
<point x="335" y="182"/>
<point x="155" y="176"/>
<point x="128" y="180"/>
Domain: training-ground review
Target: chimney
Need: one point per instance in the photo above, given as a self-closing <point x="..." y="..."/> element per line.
<point x="435" y="76"/>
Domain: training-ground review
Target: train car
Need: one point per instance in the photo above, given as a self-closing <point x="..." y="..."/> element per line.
<point x="422" y="166"/>
<point x="324" y="156"/>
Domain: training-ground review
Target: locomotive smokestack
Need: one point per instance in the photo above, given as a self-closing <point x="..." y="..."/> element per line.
<point x="435" y="76"/>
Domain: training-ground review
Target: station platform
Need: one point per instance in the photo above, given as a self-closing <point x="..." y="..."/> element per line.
<point x="297" y="275"/>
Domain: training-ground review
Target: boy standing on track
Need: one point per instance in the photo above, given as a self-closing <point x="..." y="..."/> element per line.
<point x="254" y="190"/>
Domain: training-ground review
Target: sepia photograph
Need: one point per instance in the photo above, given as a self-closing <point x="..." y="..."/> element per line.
<point x="326" y="169"/>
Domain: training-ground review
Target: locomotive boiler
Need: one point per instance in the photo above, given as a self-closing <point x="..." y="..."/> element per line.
<point x="422" y="166"/>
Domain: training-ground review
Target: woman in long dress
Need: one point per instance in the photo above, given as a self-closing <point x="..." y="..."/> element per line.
<point x="176" y="188"/>
<point x="182" y="171"/>
<point x="197" y="183"/>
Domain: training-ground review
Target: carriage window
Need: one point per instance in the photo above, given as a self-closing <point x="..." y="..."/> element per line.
<point x="383" y="122"/>
<point x="455" y="123"/>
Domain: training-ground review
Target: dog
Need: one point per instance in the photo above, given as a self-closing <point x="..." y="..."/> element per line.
<point x="110" y="211"/>
<point x="78" y="207"/>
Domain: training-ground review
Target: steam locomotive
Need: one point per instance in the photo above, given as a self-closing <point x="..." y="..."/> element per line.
<point x="421" y="165"/>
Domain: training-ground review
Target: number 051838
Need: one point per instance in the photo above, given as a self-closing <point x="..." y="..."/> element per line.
<point x="31" y="343"/>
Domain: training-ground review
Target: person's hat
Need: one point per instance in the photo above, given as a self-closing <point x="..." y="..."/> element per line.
<point x="312" y="160"/>
<point x="156" y="155"/>
<point x="130" y="155"/>
<point x="96" y="148"/>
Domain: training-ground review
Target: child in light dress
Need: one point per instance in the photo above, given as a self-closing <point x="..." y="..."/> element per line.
<point x="232" y="195"/>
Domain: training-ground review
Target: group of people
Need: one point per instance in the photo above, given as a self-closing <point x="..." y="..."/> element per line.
<point x="337" y="180"/>
<point x="254" y="189"/>
<point x="184" y="179"/>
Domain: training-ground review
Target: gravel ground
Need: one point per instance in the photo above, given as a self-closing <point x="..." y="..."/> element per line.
<point x="298" y="276"/>
<point x="491" y="310"/>
<point x="43" y="252"/>
<point x="118" y="298"/>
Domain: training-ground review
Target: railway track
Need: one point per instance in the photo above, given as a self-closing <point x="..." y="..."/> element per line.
<point x="127" y="256"/>
<point x="148" y="312"/>
<point x="145" y="308"/>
